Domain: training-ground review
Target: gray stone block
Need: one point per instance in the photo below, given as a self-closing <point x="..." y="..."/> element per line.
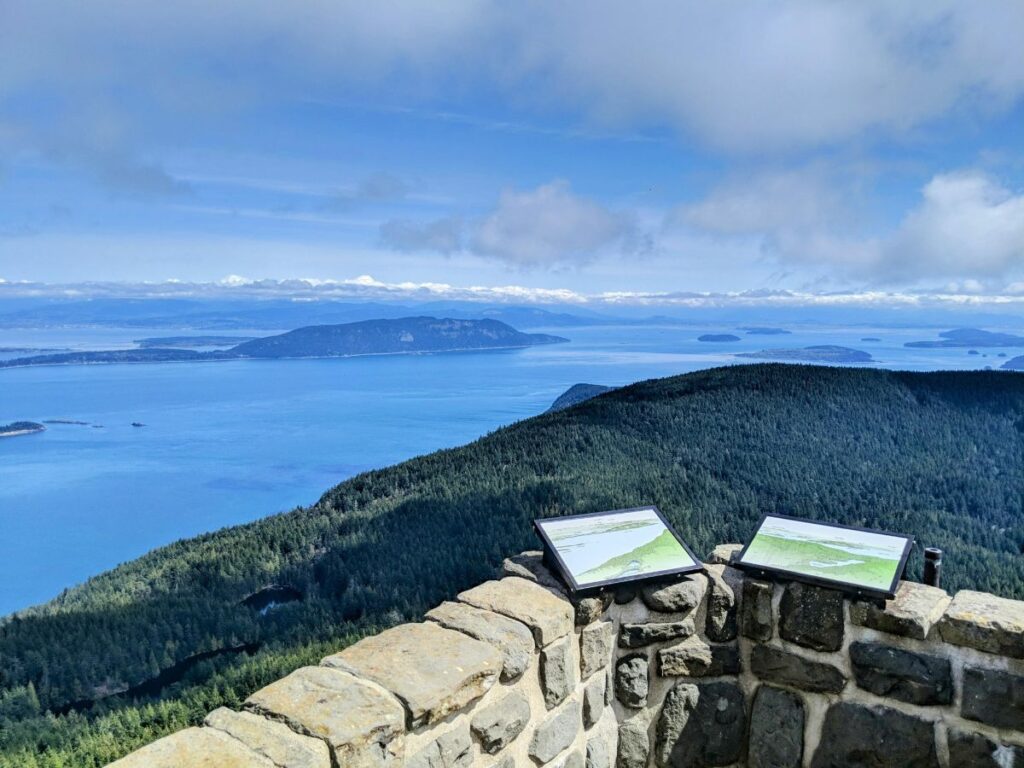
<point x="593" y="701"/>
<point x="196" y="747"/>
<point x="682" y="596"/>
<point x="701" y="724"/>
<point x="634" y="744"/>
<point x="690" y="658"/>
<point x="878" y="737"/>
<point x="788" y="669"/>
<point x="498" y="724"/>
<point x="590" y="609"/>
<point x="557" y="671"/>
<point x="453" y="749"/>
<point x="724" y="554"/>
<point x="985" y="622"/>
<point x="811" y="616"/>
<point x="632" y="680"/>
<point x="968" y="749"/>
<point x="721" y="623"/>
<point x="776" y="729"/>
<point x="529" y="565"/>
<point x="903" y="675"/>
<point x="556" y="733"/>
<point x="273" y="740"/>
<point x="646" y="633"/>
<point x="596" y="644"/>
<point x="598" y="754"/>
<point x="993" y="697"/>
<point x="757" y="620"/>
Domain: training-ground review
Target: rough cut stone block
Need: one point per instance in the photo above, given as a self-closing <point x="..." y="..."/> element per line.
<point x="512" y="638"/>
<point x="776" y="729"/>
<point x="911" y="613"/>
<point x="632" y="680"/>
<point x="557" y="671"/>
<point x="195" y="748"/>
<point x="811" y="616"/>
<point x="682" y="596"/>
<point x="624" y="593"/>
<point x="757" y="620"/>
<point x="700" y="725"/>
<point x="593" y="701"/>
<point x="634" y="744"/>
<point x="530" y="566"/>
<point x="274" y="741"/>
<point x="784" y="668"/>
<point x="556" y="733"/>
<point x="974" y="750"/>
<point x="723" y="554"/>
<point x="903" y="675"/>
<point x="641" y="634"/>
<point x="986" y="622"/>
<point x="596" y="643"/>
<point x="450" y="750"/>
<point x="692" y="658"/>
<point x="498" y="724"/>
<point x="598" y="754"/>
<point x="434" y="671"/>
<point x="573" y="760"/>
<point x="721" y="621"/>
<point x="362" y="723"/>
<point x="590" y="609"/>
<point x="546" y="614"/>
<point x="874" y="736"/>
<point x="993" y="697"/>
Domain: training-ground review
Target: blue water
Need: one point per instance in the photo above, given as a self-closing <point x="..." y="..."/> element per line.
<point x="227" y="443"/>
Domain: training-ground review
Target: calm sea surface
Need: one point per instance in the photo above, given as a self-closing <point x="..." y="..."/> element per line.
<point x="227" y="443"/>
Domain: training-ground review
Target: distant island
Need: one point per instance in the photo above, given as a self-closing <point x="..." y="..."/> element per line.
<point x="718" y="337"/>
<point x="870" y="338"/>
<point x="757" y="330"/>
<point x="192" y="342"/>
<point x="576" y="394"/>
<point x="1014" y="364"/>
<point x="824" y="353"/>
<point x="369" y="337"/>
<point x="20" y="428"/>
<point x="970" y="337"/>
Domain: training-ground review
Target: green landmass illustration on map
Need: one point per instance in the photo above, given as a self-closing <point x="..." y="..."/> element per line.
<point x="840" y="560"/>
<point x="661" y="554"/>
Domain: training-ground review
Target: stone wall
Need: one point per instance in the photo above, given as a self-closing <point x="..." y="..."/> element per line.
<point x="717" y="669"/>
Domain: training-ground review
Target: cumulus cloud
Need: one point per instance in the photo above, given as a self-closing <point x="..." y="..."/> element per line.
<point x="442" y="235"/>
<point x="548" y="226"/>
<point x="967" y="225"/>
<point x="966" y="228"/>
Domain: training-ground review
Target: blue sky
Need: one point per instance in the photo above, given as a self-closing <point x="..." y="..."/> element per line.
<point x="641" y="150"/>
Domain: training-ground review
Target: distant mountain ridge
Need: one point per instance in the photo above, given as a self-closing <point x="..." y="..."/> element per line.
<point x="969" y="337"/>
<point x="368" y="337"/>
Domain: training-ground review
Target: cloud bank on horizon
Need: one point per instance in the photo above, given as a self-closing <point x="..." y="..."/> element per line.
<point x="812" y="150"/>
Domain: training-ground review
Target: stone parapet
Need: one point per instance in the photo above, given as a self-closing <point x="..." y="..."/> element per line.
<point x="714" y="669"/>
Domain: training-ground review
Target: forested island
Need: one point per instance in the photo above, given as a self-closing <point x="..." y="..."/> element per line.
<point x="970" y="337"/>
<point x="20" y="428"/>
<point x="822" y="353"/>
<point x="718" y="337"/>
<point x="758" y="330"/>
<point x="408" y="335"/>
<point x="935" y="455"/>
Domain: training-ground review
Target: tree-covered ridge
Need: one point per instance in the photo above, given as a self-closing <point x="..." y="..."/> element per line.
<point x="936" y="455"/>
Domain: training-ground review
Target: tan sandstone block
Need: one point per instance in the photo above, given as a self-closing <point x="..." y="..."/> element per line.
<point x="911" y="613"/>
<point x="513" y="638"/>
<point x="194" y="748"/>
<point x="986" y="622"/>
<point x="433" y="670"/>
<point x="547" y="615"/>
<point x="362" y="723"/>
<point x="274" y="741"/>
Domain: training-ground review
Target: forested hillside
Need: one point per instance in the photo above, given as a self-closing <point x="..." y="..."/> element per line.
<point x="938" y="455"/>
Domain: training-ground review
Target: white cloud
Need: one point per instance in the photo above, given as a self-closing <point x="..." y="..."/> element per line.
<point x="966" y="226"/>
<point x="549" y="226"/>
<point x="745" y="77"/>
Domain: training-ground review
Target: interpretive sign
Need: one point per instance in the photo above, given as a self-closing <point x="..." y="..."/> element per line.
<point x="603" y="548"/>
<point x="862" y="560"/>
